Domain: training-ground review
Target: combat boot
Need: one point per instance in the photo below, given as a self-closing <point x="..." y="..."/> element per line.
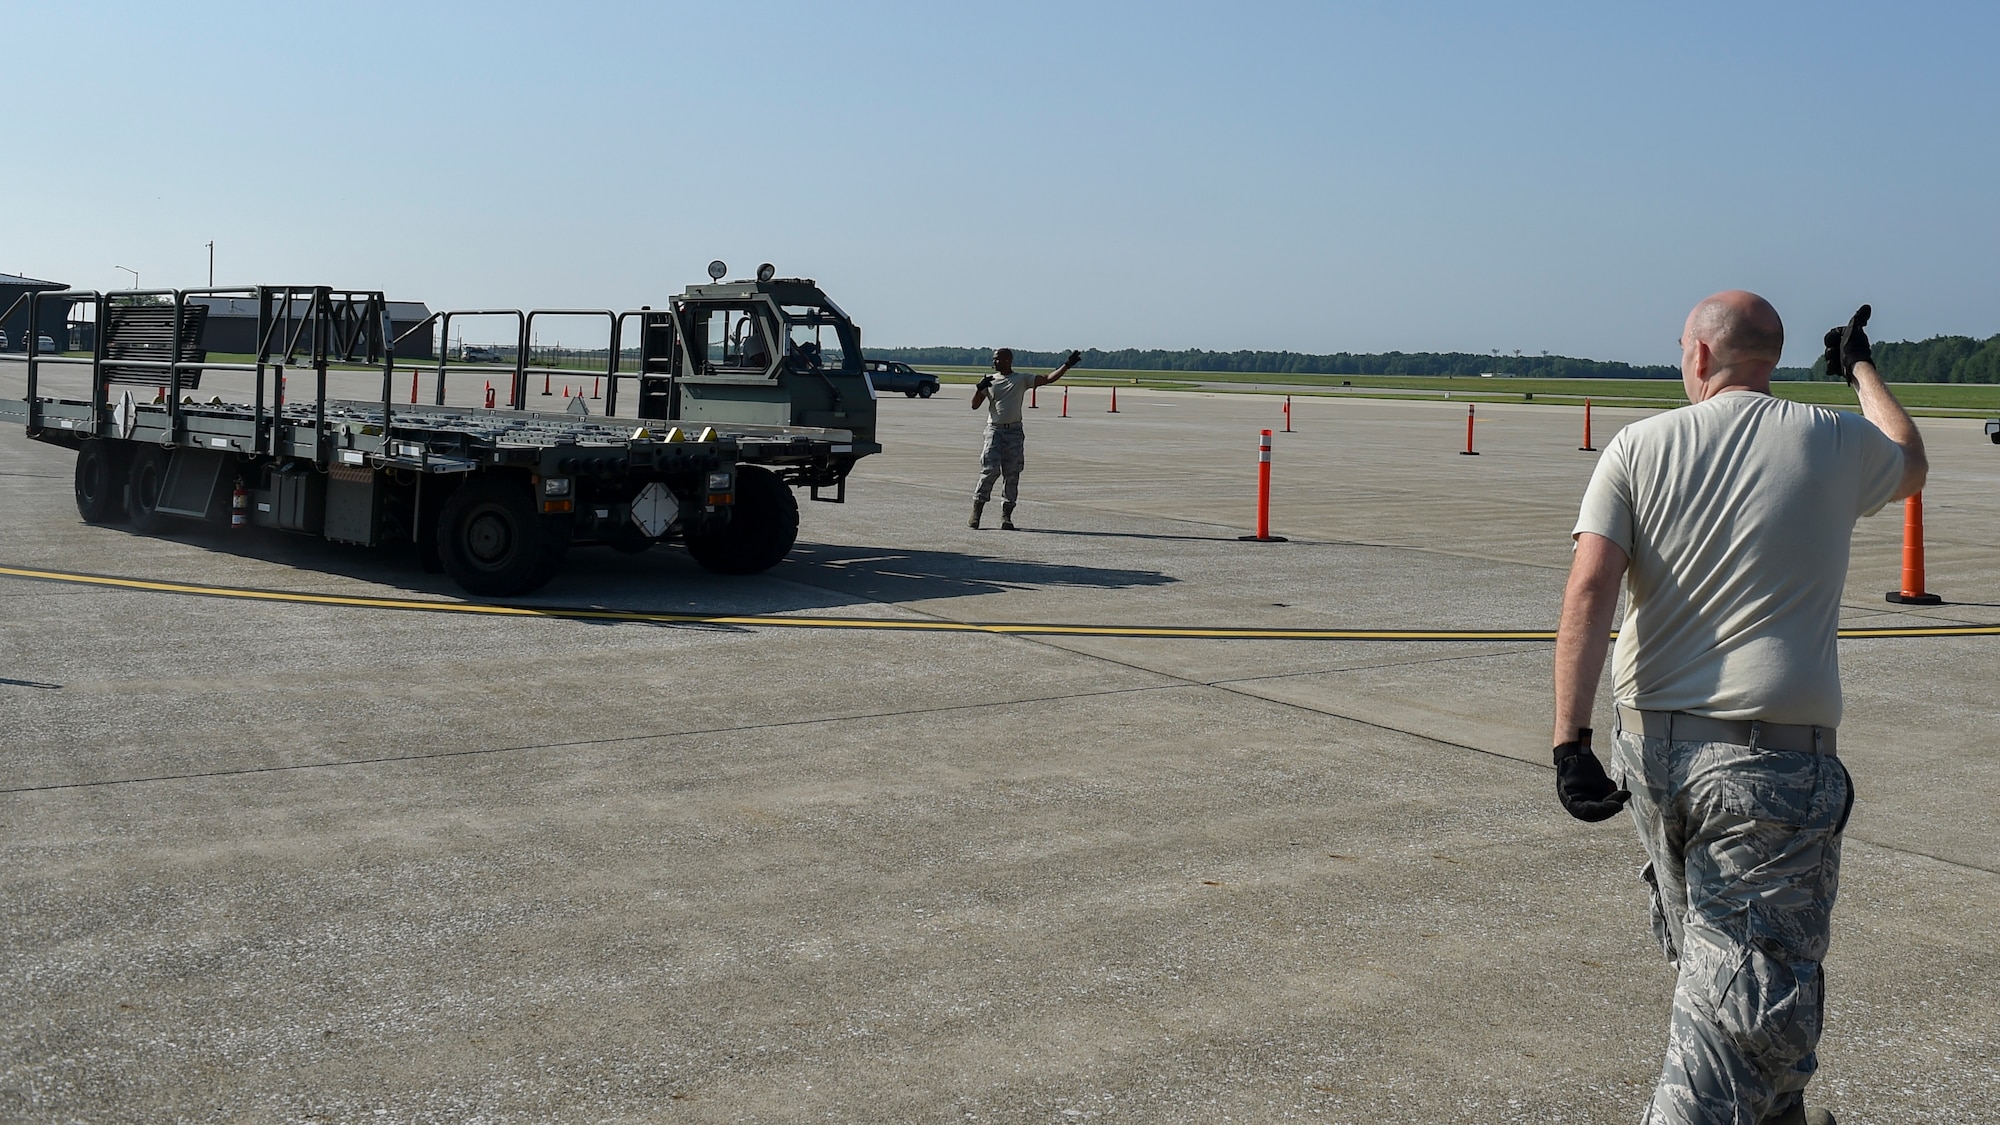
<point x="1007" y="517"/>
<point x="978" y="506"/>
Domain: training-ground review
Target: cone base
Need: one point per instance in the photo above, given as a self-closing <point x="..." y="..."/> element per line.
<point x="1901" y="598"/>
<point x="1468" y="453"/>
<point x="1263" y="539"/>
<point x="1586" y="449"/>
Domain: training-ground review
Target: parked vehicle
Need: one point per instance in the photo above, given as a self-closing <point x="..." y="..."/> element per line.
<point x="889" y="377"/>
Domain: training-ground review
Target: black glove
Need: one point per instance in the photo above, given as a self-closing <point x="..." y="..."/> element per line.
<point x="1581" y="785"/>
<point x="1074" y="359"/>
<point x="986" y="384"/>
<point x="1833" y="364"/>
<point x="1854" y="343"/>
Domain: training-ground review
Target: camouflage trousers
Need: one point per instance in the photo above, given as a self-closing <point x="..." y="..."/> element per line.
<point x="1005" y="454"/>
<point x="1745" y="861"/>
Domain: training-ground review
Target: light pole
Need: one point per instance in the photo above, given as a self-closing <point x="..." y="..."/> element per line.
<point x="211" y="263"/>
<point x="133" y="272"/>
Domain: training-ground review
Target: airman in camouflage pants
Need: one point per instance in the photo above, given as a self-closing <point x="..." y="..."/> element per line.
<point x="1745" y="859"/>
<point x="1003" y="394"/>
<point x="1728" y="526"/>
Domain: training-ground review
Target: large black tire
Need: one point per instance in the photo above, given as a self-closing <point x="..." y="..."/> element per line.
<point x="493" y="542"/>
<point x="760" y="532"/>
<point x="102" y="468"/>
<point x="143" y="482"/>
<point x="926" y="391"/>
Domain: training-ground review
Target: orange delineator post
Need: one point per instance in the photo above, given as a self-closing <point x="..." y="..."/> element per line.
<point x="1065" y="412"/>
<point x="1468" y="451"/>
<point x="489" y="394"/>
<point x="1264" y="485"/>
<point x="1031" y="396"/>
<point x="1913" y="592"/>
<point x="1114" y="401"/>
<point x="545" y="384"/>
<point x="1263" y="493"/>
<point x="413" y="386"/>
<point x="1288" y="414"/>
<point x="595" y="387"/>
<point x="1586" y="447"/>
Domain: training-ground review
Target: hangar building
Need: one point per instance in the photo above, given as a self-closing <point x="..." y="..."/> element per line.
<point x="232" y="326"/>
<point x="14" y="321"/>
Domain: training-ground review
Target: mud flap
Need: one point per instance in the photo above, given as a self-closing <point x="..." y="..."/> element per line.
<point x="189" y="487"/>
<point x="430" y="501"/>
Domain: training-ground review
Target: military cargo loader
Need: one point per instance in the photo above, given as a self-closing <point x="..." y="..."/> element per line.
<point x="739" y="392"/>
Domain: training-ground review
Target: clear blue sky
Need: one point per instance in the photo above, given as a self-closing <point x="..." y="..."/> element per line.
<point x="1567" y="177"/>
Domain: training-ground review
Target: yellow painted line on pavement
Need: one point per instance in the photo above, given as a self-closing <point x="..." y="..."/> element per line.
<point x="787" y="621"/>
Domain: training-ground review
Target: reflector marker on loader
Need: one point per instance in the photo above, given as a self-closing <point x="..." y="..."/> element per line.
<point x="876" y="624"/>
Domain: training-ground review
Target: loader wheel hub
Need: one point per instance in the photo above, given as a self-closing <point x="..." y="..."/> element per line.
<point x="490" y="537"/>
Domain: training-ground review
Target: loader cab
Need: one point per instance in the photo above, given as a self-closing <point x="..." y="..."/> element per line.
<point x="774" y="352"/>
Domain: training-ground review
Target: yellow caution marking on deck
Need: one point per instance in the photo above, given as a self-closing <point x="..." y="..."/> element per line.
<point x="878" y="624"/>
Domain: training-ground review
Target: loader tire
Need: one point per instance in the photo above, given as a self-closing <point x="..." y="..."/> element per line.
<point x="760" y="531"/>
<point x="102" y="467"/>
<point x="143" y="482"/>
<point x="494" y="543"/>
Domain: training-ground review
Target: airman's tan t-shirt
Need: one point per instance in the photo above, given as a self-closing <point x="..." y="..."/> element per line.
<point x="1004" y="398"/>
<point x="1735" y="515"/>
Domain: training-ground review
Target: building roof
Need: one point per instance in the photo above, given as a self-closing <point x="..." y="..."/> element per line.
<point x="13" y="279"/>
<point x="400" y="311"/>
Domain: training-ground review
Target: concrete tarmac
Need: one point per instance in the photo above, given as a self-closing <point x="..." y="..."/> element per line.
<point x="267" y="861"/>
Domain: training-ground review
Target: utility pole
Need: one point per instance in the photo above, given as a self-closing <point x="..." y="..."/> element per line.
<point x="133" y="272"/>
<point x="211" y="263"/>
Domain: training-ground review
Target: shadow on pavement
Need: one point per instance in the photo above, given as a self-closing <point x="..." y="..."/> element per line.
<point x="897" y="575"/>
<point x="816" y="576"/>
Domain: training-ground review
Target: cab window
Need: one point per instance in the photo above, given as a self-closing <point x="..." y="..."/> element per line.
<point x="737" y="341"/>
<point x="820" y="340"/>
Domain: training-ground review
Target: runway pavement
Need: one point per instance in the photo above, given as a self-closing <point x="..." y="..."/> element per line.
<point x="268" y="860"/>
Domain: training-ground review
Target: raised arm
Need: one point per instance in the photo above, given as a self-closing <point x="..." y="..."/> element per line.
<point x="1074" y="359"/>
<point x="1878" y="403"/>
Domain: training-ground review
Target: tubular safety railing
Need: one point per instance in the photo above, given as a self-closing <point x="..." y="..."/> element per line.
<point x="346" y="326"/>
<point x="315" y="328"/>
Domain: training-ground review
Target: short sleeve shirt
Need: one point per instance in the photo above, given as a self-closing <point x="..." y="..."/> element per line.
<point x="1736" y="515"/>
<point x="1005" y="397"/>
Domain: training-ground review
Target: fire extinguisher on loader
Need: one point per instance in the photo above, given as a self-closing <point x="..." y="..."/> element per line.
<point x="239" y="507"/>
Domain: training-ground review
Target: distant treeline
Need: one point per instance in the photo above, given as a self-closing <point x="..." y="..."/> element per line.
<point x="1296" y="363"/>
<point x="1941" y="359"/>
